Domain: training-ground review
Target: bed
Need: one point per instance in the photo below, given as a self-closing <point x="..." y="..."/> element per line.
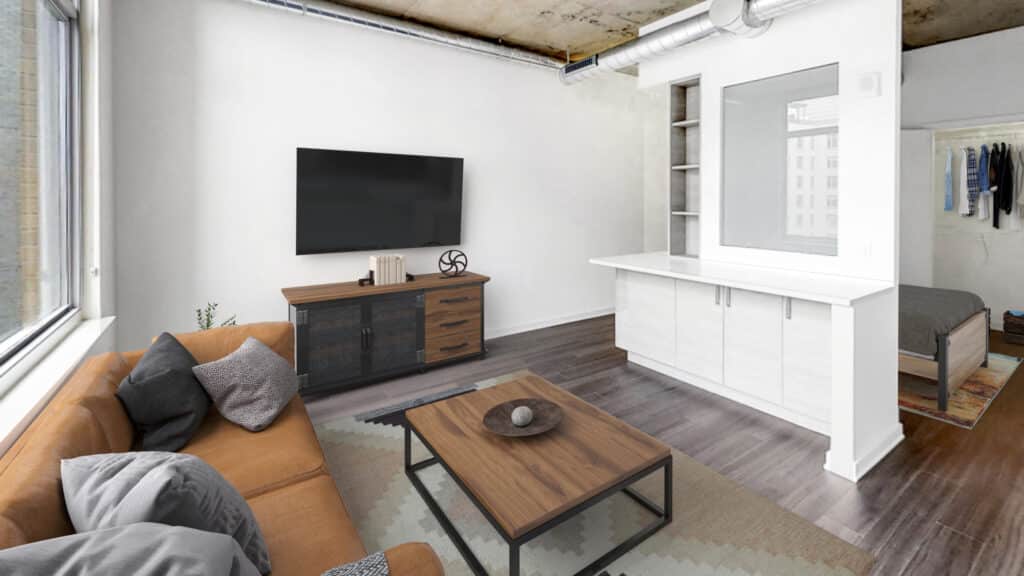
<point x="943" y="336"/>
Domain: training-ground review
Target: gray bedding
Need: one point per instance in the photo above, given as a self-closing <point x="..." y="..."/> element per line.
<point x="927" y="312"/>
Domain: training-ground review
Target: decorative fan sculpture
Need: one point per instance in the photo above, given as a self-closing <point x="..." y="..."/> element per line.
<point x="453" y="263"/>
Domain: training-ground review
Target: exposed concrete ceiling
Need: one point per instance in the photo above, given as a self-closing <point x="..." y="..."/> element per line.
<point x="584" y="27"/>
<point x="927" y="22"/>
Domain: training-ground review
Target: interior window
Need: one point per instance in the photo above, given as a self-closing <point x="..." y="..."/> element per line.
<point x="780" y="162"/>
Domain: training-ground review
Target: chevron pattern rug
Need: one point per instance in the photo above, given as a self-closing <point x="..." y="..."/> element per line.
<point x="719" y="527"/>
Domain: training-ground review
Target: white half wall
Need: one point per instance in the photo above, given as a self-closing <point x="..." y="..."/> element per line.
<point x="212" y="97"/>
<point x="864" y="38"/>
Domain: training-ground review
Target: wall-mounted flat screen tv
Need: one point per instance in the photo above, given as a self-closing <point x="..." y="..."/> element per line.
<point x="348" y="201"/>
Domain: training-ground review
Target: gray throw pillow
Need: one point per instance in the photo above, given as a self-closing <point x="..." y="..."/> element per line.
<point x="138" y="549"/>
<point x="250" y="386"/>
<point x="373" y="565"/>
<point x="162" y="396"/>
<point x="109" y="490"/>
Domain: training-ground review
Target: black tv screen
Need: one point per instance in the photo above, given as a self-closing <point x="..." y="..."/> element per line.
<point x="348" y="201"/>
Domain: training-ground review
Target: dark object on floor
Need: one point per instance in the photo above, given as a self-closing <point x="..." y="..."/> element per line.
<point x="1013" y="327"/>
<point x="546" y="416"/>
<point x="453" y="263"/>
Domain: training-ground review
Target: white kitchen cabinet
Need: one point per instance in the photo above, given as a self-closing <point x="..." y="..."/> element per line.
<point x="645" y="319"/>
<point x="753" y="344"/>
<point x="699" y="329"/>
<point x="807" y="358"/>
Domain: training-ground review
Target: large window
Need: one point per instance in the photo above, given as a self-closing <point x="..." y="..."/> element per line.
<point x="780" y="162"/>
<point x="38" y="203"/>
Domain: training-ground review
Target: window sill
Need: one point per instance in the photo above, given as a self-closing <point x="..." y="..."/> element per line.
<point x="33" y="388"/>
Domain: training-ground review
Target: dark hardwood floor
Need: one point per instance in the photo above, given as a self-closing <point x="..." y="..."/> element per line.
<point x="945" y="501"/>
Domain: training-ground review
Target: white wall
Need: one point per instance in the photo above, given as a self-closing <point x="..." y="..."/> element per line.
<point x="973" y="81"/>
<point x="213" y="96"/>
<point x="941" y="92"/>
<point x="917" y="208"/>
<point x="864" y="37"/>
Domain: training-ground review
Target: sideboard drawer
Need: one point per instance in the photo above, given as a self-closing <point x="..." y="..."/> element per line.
<point x="453" y="301"/>
<point x="453" y="346"/>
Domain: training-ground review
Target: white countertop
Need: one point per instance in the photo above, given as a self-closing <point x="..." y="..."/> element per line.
<point x="827" y="288"/>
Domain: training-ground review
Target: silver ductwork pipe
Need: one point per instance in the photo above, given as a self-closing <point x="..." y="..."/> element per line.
<point x="739" y="17"/>
<point x="401" y="27"/>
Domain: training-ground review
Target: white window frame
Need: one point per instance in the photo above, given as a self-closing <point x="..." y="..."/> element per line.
<point x="36" y="341"/>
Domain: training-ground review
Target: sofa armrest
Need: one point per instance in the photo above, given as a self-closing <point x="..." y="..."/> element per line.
<point x="413" y="559"/>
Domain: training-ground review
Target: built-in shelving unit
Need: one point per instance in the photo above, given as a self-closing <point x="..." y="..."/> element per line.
<point x="684" y="181"/>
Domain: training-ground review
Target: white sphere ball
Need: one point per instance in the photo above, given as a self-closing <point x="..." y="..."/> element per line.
<point x="522" y="416"/>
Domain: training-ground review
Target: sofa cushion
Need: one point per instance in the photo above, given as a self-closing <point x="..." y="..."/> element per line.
<point x="414" y="559"/>
<point x="209" y="345"/>
<point x="256" y="462"/>
<point x="307" y="527"/>
<point x="109" y="490"/>
<point x="138" y="549"/>
<point x="250" y="386"/>
<point x="163" y="397"/>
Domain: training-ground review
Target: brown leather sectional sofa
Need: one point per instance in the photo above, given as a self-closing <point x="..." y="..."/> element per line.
<point x="280" y="471"/>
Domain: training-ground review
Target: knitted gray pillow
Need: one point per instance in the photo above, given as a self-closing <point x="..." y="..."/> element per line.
<point x="250" y="386"/>
<point x="109" y="490"/>
<point x="373" y="565"/>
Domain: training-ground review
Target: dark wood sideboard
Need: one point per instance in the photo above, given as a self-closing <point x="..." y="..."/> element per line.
<point x="347" y="335"/>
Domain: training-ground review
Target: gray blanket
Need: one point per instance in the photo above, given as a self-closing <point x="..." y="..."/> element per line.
<point x="928" y="312"/>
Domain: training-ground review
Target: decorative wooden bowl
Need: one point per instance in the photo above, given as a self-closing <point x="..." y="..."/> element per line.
<point x="546" y="416"/>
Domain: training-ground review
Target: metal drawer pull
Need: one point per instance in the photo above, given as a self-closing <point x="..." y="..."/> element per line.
<point x="454" y="348"/>
<point x="789" y="308"/>
<point x="453" y="324"/>
<point x="454" y="300"/>
<point x="718" y="295"/>
<point x="728" y="297"/>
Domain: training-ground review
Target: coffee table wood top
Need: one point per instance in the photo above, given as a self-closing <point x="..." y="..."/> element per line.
<point x="524" y="482"/>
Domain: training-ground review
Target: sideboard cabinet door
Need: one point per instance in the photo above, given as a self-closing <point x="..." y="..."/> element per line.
<point x="395" y="332"/>
<point x="807" y="358"/>
<point x="329" y="343"/>
<point x="699" y="329"/>
<point x="753" y="344"/>
<point x="645" y="320"/>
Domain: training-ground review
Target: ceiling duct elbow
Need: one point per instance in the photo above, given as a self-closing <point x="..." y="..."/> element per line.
<point x="746" y="18"/>
<point x="734" y="16"/>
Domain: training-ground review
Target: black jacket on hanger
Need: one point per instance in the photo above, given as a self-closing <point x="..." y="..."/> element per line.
<point x="995" y="178"/>
<point x="1006" y="182"/>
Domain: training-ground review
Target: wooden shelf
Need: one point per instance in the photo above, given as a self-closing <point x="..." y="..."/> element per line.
<point x="685" y="213"/>
<point x="686" y="124"/>
<point x="686" y="167"/>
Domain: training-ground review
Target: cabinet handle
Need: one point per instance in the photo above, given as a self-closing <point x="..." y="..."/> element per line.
<point x="362" y="339"/>
<point x="728" y="297"/>
<point x="789" y="308"/>
<point x="454" y="300"/>
<point x="454" y="348"/>
<point x="718" y="295"/>
<point x="369" y="337"/>
<point x="453" y="324"/>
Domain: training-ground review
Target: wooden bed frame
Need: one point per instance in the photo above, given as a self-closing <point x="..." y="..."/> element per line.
<point x="960" y="353"/>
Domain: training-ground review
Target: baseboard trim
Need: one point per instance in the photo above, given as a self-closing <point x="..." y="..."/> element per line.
<point x="530" y="326"/>
<point x="793" y="417"/>
<point x="854" y="470"/>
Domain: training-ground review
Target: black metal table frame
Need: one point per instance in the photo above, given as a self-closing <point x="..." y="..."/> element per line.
<point x="662" y="513"/>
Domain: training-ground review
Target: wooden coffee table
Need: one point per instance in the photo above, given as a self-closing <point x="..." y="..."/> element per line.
<point x="527" y="486"/>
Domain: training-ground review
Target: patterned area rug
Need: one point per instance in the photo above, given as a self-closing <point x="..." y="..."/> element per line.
<point x="968" y="404"/>
<point x="719" y="528"/>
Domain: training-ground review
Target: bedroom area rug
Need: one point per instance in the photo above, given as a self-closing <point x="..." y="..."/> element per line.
<point x="719" y="527"/>
<point x="968" y="404"/>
